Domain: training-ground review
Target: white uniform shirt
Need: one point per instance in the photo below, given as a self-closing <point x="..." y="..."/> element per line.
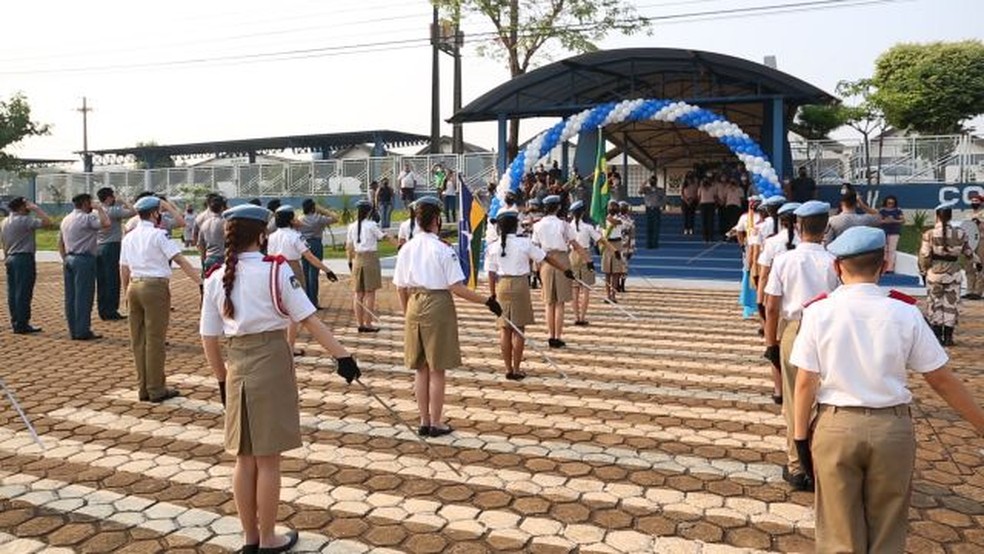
<point x="405" y="233"/>
<point x="763" y="230"/>
<point x="492" y="230"/>
<point x="288" y="243"/>
<point x="256" y="310"/>
<point x="519" y="252"/>
<point x="861" y="342"/>
<point x="428" y="263"/>
<point x="775" y="245"/>
<point x="552" y="233"/>
<point x="584" y="233"/>
<point x="371" y="233"/>
<point x="801" y="275"/>
<point x="148" y="251"/>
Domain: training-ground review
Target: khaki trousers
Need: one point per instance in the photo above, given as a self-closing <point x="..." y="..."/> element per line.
<point x="150" y="312"/>
<point x="863" y="460"/>
<point x="975" y="279"/>
<point x="787" y="334"/>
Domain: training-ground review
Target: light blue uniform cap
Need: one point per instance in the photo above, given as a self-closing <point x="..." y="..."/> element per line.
<point x="431" y="200"/>
<point x="776" y="200"/>
<point x="147" y="203"/>
<point x="247" y="211"/>
<point x="285" y="208"/>
<point x="812" y="208"/>
<point x="552" y="199"/>
<point x="789" y="207"/>
<point x="577" y="205"/>
<point x="857" y="241"/>
<point x="946" y="206"/>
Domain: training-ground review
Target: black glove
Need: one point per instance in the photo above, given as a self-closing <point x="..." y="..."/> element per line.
<point x="628" y="256"/>
<point x="350" y="265"/>
<point x="331" y="276"/>
<point x="805" y="457"/>
<point x="772" y="354"/>
<point x="569" y="273"/>
<point x="222" y="395"/>
<point x="979" y="267"/>
<point x="348" y="369"/>
<point x="494" y="306"/>
<point x="591" y="266"/>
<point x="618" y="254"/>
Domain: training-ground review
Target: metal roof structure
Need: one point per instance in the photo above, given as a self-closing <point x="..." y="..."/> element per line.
<point x="325" y="143"/>
<point x="738" y="89"/>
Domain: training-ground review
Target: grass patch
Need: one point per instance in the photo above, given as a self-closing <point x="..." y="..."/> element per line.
<point x="910" y="239"/>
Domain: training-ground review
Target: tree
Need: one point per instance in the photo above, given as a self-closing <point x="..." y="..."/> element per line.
<point x="864" y="115"/>
<point x="931" y="88"/>
<point x="816" y="121"/>
<point x="16" y="125"/>
<point x="526" y="30"/>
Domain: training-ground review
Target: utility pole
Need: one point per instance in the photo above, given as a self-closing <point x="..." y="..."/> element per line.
<point x="435" y="84"/>
<point x="457" y="138"/>
<point x="86" y="156"/>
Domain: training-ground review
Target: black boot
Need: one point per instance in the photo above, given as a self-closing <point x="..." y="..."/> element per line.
<point x="948" y="336"/>
<point x="938" y="331"/>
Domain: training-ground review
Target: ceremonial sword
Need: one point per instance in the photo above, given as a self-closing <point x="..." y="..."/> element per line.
<point x="606" y="299"/>
<point x="533" y="345"/>
<point x="20" y="412"/>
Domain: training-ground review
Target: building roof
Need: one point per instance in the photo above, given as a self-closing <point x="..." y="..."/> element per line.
<point x="327" y="143"/>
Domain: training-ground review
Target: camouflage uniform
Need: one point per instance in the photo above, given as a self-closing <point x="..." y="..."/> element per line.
<point x="975" y="279"/>
<point x="939" y="261"/>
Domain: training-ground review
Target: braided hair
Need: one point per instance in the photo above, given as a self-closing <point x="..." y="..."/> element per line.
<point x="364" y="211"/>
<point x="774" y="214"/>
<point x="506" y="225"/>
<point x="945" y="215"/>
<point x="790" y="220"/>
<point x="240" y="234"/>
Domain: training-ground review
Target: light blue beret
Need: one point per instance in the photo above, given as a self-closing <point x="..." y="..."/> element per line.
<point x="147" y="203"/>
<point x="506" y="214"/>
<point x="946" y="206"/>
<point x="776" y="200"/>
<point x="755" y="198"/>
<point x="285" y="208"/>
<point x="429" y="200"/>
<point x="812" y="208"/>
<point x="552" y="199"/>
<point x="577" y="205"/>
<point x="247" y="211"/>
<point x="789" y="207"/>
<point x="534" y="202"/>
<point x="857" y="241"/>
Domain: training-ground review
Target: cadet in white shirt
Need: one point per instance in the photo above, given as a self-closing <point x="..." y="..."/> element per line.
<point x="744" y="231"/>
<point x="556" y="237"/>
<point x="362" y="248"/>
<point x="250" y="300"/>
<point x="146" y="254"/>
<point x="767" y="227"/>
<point x="852" y="351"/>
<point x="509" y="260"/>
<point x="612" y="262"/>
<point x="583" y="266"/>
<point x="492" y="230"/>
<point x="287" y="242"/>
<point x="407" y="228"/>
<point x="427" y="273"/>
<point x="796" y="277"/>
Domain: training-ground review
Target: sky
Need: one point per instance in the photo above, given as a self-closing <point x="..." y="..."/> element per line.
<point x="122" y="56"/>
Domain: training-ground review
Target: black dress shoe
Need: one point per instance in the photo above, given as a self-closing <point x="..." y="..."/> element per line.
<point x="90" y="336"/>
<point x="116" y="317"/>
<point x="249" y="549"/>
<point x="291" y="543"/>
<point x="168" y="394"/>
<point x="424" y="431"/>
<point x="441" y="431"/>
<point x="27" y="330"/>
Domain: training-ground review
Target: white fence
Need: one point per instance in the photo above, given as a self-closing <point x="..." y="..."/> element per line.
<point x="289" y="179"/>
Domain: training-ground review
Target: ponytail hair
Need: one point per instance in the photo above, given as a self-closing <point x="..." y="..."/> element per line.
<point x="791" y="232"/>
<point x="240" y="234"/>
<point x="507" y="225"/>
<point x="945" y="215"/>
<point x="774" y="214"/>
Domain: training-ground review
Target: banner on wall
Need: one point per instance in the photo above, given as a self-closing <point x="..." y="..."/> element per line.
<point x="911" y="196"/>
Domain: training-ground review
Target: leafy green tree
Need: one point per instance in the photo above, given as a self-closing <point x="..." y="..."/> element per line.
<point x="931" y="88"/>
<point x="527" y="31"/>
<point x="16" y="125"/>
<point x="861" y="112"/>
<point x="816" y="121"/>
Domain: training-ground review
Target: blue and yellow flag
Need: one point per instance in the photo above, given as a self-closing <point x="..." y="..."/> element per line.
<point x="599" y="190"/>
<point x="471" y="234"/>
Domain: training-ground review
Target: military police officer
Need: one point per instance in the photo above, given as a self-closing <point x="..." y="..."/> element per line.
<point x="77" y="244"/>
<point x="108" y="255"/>
<point x="19" y="247"/>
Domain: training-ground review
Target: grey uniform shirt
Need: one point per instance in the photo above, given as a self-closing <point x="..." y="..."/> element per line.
<point x="312" y="225"/>
<point x="653" y="197"/>
<point x="844" y="221"/>
<point x="78" y="232"/>
<point x="211" y="234"/>
<point x="17" y="234"/>
<point x="116" y="214"/>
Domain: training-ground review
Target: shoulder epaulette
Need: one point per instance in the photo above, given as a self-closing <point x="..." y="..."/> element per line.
<point x="278" y="259"/>
<point x="215" y="267"/>
<point x="815" y="299"/>
<point x="902" y="297"/>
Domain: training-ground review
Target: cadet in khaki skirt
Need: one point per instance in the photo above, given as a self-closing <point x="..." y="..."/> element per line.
<point x="555" y="236"/>
<point x="427" y="273"/>
<point x="251" y="299"/>
<point x="289" y="243"/>
<point x="362" y="248"/>
<point x="611" y="257"/>
<point x="583" y="266"/>
<point x="509" y="261"/>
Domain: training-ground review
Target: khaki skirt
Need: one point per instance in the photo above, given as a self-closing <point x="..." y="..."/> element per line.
<point x="611" y="264"/>
<point x="262" y="415"/>
<point x="556" y="286"/>
<point x="430" y="333"/>
<point x="366" y="273"/>
<point x="295" y="266"/>
<point x="579" y="265"/>
<point x="513" y="294"/>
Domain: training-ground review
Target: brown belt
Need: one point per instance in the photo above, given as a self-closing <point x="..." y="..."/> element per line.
<point x="422" y="290"/>
<point x="900" y="410"/>
<point x="149" y="279"/>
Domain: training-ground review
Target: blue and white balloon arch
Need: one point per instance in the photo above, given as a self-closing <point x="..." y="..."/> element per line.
<point x="745" y="148"/>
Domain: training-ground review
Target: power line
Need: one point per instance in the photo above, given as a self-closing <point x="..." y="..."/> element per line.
<point x="371" y="47"/>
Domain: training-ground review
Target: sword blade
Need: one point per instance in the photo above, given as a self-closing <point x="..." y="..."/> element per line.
<point x="606" y="299"/>
<point x="23" y="416"/>
<point x="534" y="347"/>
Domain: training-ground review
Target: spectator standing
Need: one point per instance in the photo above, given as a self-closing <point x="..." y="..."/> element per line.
<point x="452" y="183"/>
<point x="707" y="197"/>
<point x="849" y="217"/>
<point x="892" y="219"/>
<point x="384" y="202"/>
<point x="654" y="199"/>
<point x="689" y="200"/>
<point x="555" y="172"/>
<point x="732" y="197"/>
<point x="312" y="226"/>
<point x="408" y="184"/>
<point x="108" y="255"/>
<point x="802" y="188"/>
<point x="189" y="230"/>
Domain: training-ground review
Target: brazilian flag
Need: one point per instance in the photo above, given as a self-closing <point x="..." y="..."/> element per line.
<point x="599" y="190"/>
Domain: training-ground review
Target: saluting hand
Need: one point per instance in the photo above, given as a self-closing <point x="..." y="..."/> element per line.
<point x="348" y="369"/>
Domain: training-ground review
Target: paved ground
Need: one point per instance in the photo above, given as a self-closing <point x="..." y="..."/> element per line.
<point x="662" y="439"/>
